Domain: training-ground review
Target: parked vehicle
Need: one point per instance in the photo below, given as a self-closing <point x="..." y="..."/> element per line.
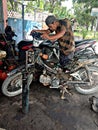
<point x="84" y="48"/>
<point x="6" y="60"/>
<point x="42" y="57"/>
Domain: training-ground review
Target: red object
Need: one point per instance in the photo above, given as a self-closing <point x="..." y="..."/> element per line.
<point x="11" y="67"/>
<point x="0" y="71"/>
<point x="3" y="43"/>
<point x="1" y="62"/>
<point x="4" y="76"/>
<point x="27" y="47"/>
<point x="0" y="75"/>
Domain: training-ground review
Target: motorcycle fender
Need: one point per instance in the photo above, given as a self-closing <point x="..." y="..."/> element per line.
<point x="15" y="71"/>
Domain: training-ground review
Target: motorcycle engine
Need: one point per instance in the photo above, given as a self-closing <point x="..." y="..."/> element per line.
<point x="52" y="80"/>
<point x="55" y="82"/>
<point x="45" y="79"/>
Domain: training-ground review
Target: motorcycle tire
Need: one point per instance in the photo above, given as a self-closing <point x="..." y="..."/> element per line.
<point x="12" y="85"/>
<point x="91" y="89"/>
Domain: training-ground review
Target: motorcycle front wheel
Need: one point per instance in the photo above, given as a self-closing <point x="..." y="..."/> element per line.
<point x="12" y="85"/>
<point x="83" y="75"/>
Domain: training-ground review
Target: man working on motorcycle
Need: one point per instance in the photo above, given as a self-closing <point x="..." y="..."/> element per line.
<point x="64" y="35"/>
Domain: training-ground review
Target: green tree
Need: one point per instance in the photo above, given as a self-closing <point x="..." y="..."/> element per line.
<point x="82" y="15"/>
<point x="12" y="5"/>
<point x="52" y="6"/>
<point x="83" y="8"/>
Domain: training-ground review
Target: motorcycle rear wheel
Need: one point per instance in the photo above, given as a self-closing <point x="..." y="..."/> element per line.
<point x="91" y="89"/>
<point x="12" y="85"/>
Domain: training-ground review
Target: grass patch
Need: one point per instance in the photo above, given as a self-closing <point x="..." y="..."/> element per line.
<point x="88" y="35"/>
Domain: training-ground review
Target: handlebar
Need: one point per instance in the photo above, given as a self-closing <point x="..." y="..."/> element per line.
<point x="37" y="36"/>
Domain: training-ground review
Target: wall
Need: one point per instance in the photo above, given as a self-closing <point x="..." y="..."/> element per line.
<point x="16" y="25"/>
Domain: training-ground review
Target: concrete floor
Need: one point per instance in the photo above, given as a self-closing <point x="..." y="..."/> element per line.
<point x="48" y="112"/>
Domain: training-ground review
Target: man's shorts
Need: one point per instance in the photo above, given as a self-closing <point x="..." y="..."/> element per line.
<point x="65" y="59"/>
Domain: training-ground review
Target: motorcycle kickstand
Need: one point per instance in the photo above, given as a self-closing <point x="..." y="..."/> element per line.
<point x="63" y="90"/>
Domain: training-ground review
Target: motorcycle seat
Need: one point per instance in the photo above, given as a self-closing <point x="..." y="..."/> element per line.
<point x="24" y="44"/>
<point x="80" y="42"/>
<point x="27" y="41"/>
<point x="27" y="47"/>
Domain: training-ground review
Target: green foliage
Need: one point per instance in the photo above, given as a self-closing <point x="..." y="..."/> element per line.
<point x="85" y="12"/>
<point x="84" y="32"/>
<point x="82" y="10"/>
<point x="83" y="15"/>
<point x="61" y="13"/>
<point x="81" y="31"/>
<point x="52" y="6"/>
<point x="88" y="3"/>
<point x="90" y="35"/>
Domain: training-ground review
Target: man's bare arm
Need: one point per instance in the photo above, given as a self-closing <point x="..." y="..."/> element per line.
<point x="41" y="31"/>
<point x="55" y="36"/>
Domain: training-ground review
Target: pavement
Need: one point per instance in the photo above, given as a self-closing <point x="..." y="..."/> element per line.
<point x="47" y="111"/>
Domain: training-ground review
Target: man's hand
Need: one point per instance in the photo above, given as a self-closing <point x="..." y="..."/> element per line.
<point x="32" y="32"/>
<point x="45" y="36"/>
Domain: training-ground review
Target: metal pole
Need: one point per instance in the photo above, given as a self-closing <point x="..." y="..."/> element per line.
<point x="25" y="92"/>
<point x="25" y="87"/>
<point x="23" y="20"/>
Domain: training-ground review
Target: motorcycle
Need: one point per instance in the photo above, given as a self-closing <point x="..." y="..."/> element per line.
<point x="43" y="59"/>
<point x="6" y="57"/>
<point x="84" y="48"/>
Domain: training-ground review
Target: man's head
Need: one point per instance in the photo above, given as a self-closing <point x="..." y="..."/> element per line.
<point x="51" y="22"/>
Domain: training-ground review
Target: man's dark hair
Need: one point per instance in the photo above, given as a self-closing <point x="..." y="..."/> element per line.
<point x="50" y="19"/>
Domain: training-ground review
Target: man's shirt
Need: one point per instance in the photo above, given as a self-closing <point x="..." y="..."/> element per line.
<point x="66" y="42"/>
